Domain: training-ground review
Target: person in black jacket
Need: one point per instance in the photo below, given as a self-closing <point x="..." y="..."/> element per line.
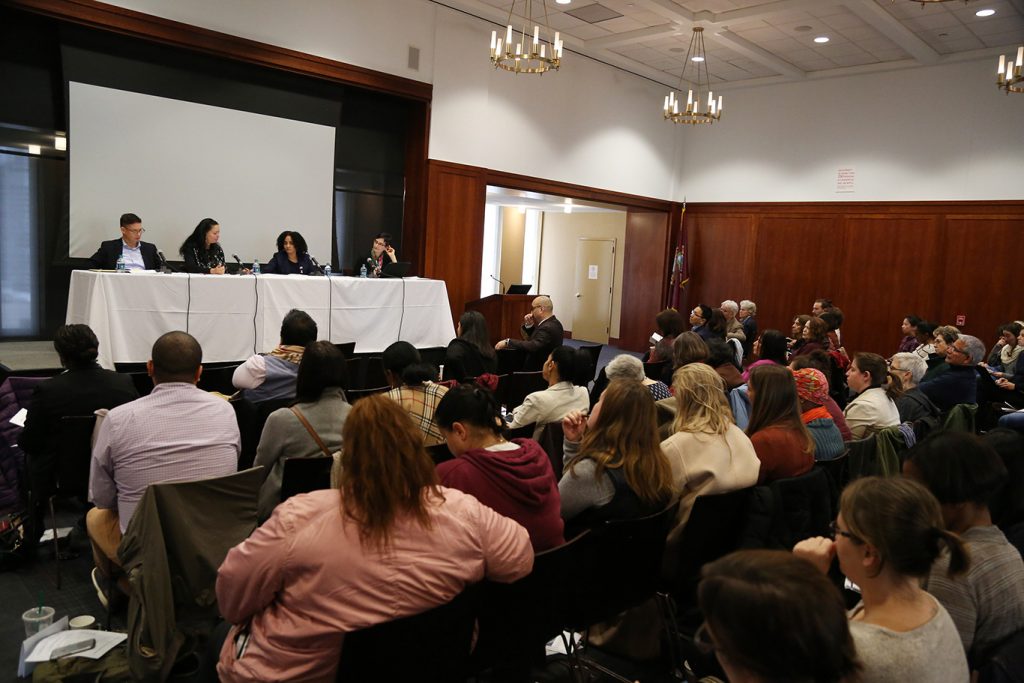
<point x="470" y="354"/>
<point x="542" y="333"/>
<point x="202" y="251"/>
<point x="138" y="255"/>
<point x="292" y="257"/>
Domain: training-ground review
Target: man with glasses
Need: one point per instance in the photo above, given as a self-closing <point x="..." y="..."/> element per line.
<point x="138" y="255"/>
<point x="959" y="384"/>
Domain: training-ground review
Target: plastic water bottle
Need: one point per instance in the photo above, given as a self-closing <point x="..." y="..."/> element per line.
<point x="255" y="267"/>
<point x="362" y="270"/>
<point x="327" y="270"/>
<point x="120" y="267"/>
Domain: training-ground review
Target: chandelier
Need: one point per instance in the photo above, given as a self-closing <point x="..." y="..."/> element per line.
<point x="1011" y="72"/>
<point x="526" y="52"/>
<point x="694" y="111"/>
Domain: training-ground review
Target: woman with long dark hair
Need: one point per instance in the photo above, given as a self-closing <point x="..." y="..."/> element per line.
<point x="202" y="251"/>
<point x="471" y="353"/>
<point x="770" y="349"/>
<point x="389" y="543"/>
<point x="781" y="440"/>
<point x="815" y="336"/>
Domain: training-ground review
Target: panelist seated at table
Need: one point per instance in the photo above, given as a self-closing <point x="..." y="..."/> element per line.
<point x="202" y="251"/>
<point x="138" y="255"/>
<point x="380" y="256"/>
<point x="292" y="257"/>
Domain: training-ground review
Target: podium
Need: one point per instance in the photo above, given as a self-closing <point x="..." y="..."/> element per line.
<point x="504" y="313"/>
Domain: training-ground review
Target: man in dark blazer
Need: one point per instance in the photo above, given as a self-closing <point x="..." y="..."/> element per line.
<point x="541" y="331"/>
<point x="138" y="255"/>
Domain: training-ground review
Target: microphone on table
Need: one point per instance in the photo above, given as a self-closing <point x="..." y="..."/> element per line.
<point x="163" y="262"/>
<point x="500" y="283"/>
<point x="315" y="262"/>
<point x="237" y="260"/>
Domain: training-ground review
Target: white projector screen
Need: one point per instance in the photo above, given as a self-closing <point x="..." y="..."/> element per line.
<point x="174" y="163"/>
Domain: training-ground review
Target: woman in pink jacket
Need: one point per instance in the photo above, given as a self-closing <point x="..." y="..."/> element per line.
<point x="390" y="543"/>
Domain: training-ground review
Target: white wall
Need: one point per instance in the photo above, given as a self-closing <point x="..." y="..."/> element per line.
<point x="935" y="133"/>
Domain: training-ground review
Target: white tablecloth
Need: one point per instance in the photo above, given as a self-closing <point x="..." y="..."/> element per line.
<point x="234" y="316"/>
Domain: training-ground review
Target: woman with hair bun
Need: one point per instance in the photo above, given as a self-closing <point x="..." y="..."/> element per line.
<point x="887" y="536"/>
<point x="874" y="407"/>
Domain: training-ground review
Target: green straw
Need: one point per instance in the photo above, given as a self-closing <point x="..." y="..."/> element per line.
<point x="39" y="609"/>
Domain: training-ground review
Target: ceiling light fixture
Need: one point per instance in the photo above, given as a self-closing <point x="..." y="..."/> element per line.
<point x="984" y="13"/>
<point x="693" y="114"/>
<point x="1010" y="76"/>
<point x="567" y="206"/>
<point x="529" y="53"/>
<point x="822" y="39"/>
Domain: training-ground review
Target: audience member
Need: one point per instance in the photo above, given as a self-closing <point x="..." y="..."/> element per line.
<point x="708" y="453"/>
<point x="627" y="367"/>
<point x="292" y="256"/>
<point x="614" y="468"/>
<point x="748" y="317"/>
<point x="769" y="616"/>
<point x="310" y="428"/>
<point x="413" y="387"/>
<point x="812" y="390"/>
<point x="1008" y="506"/>
<point x="722" y="357"/>
<point x="833" y="319"/>
<point x="470" y="354"/>
<point x="783" y="445"/>
<point x="80" y="390"/>
<point x="909" y="341"/>
<point x="202" y="251"/>
<point x="796" y="340"/>
<point x="959" y="383"/>
<point x="733" y="327"/>
<point x="987" y="603"/>
<point x="176" y="433"/>
<point x="1003" y="356"/>
<point x="925" y="333"/>
<point x="688" y="348"/>
<point x="944" y="337"/>
<point x="912" y="405"/>
<point x="872" y="408"/>
<point x="542" y="333"/>
<point x="389" y="544"/>
<point x="560" y="398"/>
<point x="887" y="536"/>
<point x="700" y="319"/>
<point x="815" y="337"/>
<point x="821" y="306"/>
<point x="271" y="376"/>
<point x="820" y="361"/>
<point x="770" y="349"/>
<point x="513" y="478"/>
<point x="670" y="325"/>
<point x="138" y="255"/>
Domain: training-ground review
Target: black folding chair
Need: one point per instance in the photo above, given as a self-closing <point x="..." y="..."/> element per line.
<point x="551" y="439"/>
<point x="439" y="453"/>
<point x="519" y="385"/>
<point x="302" y="475"/>
<point x="218" y="379"/>
<point x="347" y="349"/>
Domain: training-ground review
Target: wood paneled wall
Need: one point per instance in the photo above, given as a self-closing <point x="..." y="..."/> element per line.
<point x="878" y="261"/>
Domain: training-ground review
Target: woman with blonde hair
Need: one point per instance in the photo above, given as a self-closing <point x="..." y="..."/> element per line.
<point x="614" y="468"/>
<point x="390" y="543"/>
<point x="888" y="534"/>
<point x="708" y="453"/>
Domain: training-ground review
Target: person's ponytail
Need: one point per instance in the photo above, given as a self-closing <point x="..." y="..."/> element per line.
<point x="959" y="556"/>
<point x="893" y="386"/>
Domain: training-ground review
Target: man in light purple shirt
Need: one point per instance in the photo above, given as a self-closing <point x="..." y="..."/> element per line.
<point x="176" y="433"/>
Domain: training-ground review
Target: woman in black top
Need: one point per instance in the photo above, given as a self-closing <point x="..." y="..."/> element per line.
<point x="202" y="251"/>
<point x="292" y="257"/>
<point x="471" y="353"/>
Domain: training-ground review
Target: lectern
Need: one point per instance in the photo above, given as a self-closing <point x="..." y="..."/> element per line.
<point x="504" y="313"/>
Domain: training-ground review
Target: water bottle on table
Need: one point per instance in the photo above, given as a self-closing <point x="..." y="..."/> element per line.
<point x="327" y="270"/>
<point x="255" y="267"/>
<point x="120" y="267"/>
<point x="362" y="270"/>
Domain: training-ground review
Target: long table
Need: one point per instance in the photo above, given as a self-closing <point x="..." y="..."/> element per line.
<point x="234" y="316"/>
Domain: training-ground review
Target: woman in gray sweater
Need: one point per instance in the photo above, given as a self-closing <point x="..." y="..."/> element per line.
<point x="320" y="400"/>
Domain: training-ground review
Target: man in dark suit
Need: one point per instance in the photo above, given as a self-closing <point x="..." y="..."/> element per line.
<point x="84" y="388"/>
<point x="541" y="331"/>
<point x="138" y="255"/>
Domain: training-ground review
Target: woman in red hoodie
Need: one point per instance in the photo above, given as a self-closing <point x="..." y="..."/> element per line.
<point x="514" y="478"/>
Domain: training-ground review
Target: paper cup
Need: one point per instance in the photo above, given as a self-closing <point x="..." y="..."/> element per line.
<point x="84" y="621"/>
<point x="36" y="619"/>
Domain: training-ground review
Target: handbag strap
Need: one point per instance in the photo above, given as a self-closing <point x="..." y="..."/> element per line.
<point x="312" y="432"/>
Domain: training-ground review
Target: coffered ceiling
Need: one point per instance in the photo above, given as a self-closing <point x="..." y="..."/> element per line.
<point x="760" y="41"/>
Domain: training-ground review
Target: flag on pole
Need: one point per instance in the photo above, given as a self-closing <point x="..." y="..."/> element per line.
<point x="680" y="265"/>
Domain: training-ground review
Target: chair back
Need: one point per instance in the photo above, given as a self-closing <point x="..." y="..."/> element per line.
<point x="74" y="434"/>
<point x="803" y="507"/>
<point x="519" y="385"/>
<point x="354" y="395"/>
<point x="837" y="471"/>
<point x="551" y="439"/>
<point x="510" y="360"/>
<point x="713" y="530"/>
<point x="432" y="647"/>
<point x="142" y="382"/>
<point x="861" y="457"/>
<point x="439" y="453"/>
<point x="218" y="379"/>
<point x="347" y="349"/>
<point x="251" y="418"/>
<point x="593" y="353"/>
<point x="614" y="567"/>
<point x="302" y="475"/>
<point x="657" y="369"/>
<point x="600" y="384"/>
<point x="374" y="376"/>
<point x="524" y="432"/>
<point x="1006" y="665"/>
<point x="433" y="355"/>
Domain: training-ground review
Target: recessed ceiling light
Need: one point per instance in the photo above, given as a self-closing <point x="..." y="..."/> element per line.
<point x="563" y="2"/>
<point x="984" y="13"/>
<point x="821" y="39"/>
<point x="60" y="143"/>
<point x="696" y="59"/>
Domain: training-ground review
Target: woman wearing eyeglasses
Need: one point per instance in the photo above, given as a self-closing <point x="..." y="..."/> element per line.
<point x="809" y="638"/>
<point x="888" y="534"/>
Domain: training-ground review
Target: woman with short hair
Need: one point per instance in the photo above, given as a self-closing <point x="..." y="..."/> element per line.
<point x="782" y="443"/>
<point x="292" y="256"/>
<point x="627" y="367"/>
<point x="872" y="409"/>
<point x="912" y="405"/>
<point x="888" y="534"/>
<point x="388" y="543"/>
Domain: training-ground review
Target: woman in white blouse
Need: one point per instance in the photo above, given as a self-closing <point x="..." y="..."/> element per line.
<point x="559" y="399"/>
<point x="873" y="408"/>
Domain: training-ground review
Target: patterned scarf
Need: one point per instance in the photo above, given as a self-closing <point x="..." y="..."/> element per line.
<point x="292" y="354"/>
